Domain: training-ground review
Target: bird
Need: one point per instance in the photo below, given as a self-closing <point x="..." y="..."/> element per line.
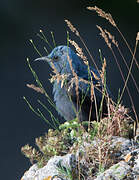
<point x="66" y="62"/>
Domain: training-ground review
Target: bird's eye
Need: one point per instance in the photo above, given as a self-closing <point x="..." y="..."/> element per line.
<point x="55" y="57"/>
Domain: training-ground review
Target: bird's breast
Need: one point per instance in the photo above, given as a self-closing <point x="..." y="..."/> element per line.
<point x="63" y="102"/>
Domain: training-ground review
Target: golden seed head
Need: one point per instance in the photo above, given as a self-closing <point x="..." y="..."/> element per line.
<point x="137" y="38"/>
<point x="72" y="28"/>
<point x="102" y="14"/>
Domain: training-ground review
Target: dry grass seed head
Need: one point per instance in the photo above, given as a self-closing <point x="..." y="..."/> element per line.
<point x="104" y="35"/>
<point x="102" y="72"/>
<point x="75" y="76"/>
<point x="100" y="154"/>
<point x="119" y="124"/>
<point x="137" y="38"/>
<point x="95" y="76"/>
<point x="112" y="38"/>
<point x="101" y="13"/>
<point x="79" y="51"/>
<point x="72" y="28"/>
<point x="53" y="67"/>
<point x="35" y="88"/>
<point x="31" y="153"/>
<point x="59" y="78"/>
<point x="40" y="142"/>
<point x="92" y="91"/>
<point x="73" y="80"/>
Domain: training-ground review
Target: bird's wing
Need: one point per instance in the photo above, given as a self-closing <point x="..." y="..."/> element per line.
<point x="85" y="84"/>
<point x="82" y="92"/>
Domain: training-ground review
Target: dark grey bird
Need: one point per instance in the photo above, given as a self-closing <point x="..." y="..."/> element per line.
<point x="67" y="102"/>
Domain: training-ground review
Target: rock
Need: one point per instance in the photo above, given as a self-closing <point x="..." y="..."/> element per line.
<point x="116" y="172"/>
<point x="51" y="169"/>
<point x="127" y="169"/>
<point x="126" y="165"/>
<point x="133" y="161"/>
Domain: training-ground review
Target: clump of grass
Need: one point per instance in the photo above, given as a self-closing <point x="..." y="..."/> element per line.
<point x="55" y="142"/>
<point x="70" y="136"/>
<point x="33" y="155"/>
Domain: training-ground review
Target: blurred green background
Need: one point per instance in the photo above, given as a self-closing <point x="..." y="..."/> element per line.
<point x="21" y="20"/>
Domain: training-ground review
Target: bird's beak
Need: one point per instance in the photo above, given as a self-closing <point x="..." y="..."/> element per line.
<point x="45" y="58"/>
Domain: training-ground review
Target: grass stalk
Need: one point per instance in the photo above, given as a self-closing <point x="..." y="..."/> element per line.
<point x="43" y="37"/>
<point x="36" y="49"/>
<point x="53" y="38"/>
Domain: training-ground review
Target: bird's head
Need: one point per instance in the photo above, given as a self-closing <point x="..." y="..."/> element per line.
<point x="59" y="57"/>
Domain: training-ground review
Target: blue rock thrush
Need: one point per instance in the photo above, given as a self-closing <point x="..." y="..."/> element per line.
<point x="65" y="99"/>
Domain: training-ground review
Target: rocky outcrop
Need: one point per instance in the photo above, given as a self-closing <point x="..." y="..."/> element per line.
<point x="67" y="167"/>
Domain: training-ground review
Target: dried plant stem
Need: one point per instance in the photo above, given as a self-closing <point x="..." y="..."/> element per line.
<point x="96" y="107"/>
<point x="74" y="30"/>
<point x="125" y="85"/>
<point x="136" y="123"/>
<point x="129" y="72"/>
<point x="128" y="69"/>
<point x="108" y="17"/>
<point x="131" y="100"/>
<point x="89" y="121"/>
<point x="127" y="45"/>
<point x="79" y="169"/>
<point x="76" y="85"/>
<point x="104" y="35"/>
<point x="92" y="58"/>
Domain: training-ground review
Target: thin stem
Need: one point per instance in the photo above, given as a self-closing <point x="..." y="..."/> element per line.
<point x="52" y="116"/>
<point x="39" y="83"/>
<point x="127" y="45"/>
<point x="67" y="38"/>
<point x="43" y="37"/>
<point x="46" y="50"/>
<point x="128" y="69"/>
<point x="129" y="72"/>
<point x="90" y="113"/>
<point x="34" y="46"/>
<point x="89" y="53"/>
<point x="30" y="106"/>
<point x="43" y="117"/>
<point x="53" y="38"/>
<point x="103" y="96"/>
<point x="133" y="107"/>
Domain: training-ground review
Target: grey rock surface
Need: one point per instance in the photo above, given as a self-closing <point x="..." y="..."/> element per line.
<point x="116" y="172"/>
<point x="127" y="167"/>
<point x="51" y="169"/>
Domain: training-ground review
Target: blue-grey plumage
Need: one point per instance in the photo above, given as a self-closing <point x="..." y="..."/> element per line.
<point x="66" y="101"/>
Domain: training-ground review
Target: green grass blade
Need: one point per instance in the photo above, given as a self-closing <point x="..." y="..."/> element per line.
<point x="30" y="106"/>
<point x="34" y="46"/>
<point x="53" y="38"/>
<point x="55" y="121"/>
<point x="43" y="37"/>
<point x="43" y="117"/>
<point x="39" y="83"/>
